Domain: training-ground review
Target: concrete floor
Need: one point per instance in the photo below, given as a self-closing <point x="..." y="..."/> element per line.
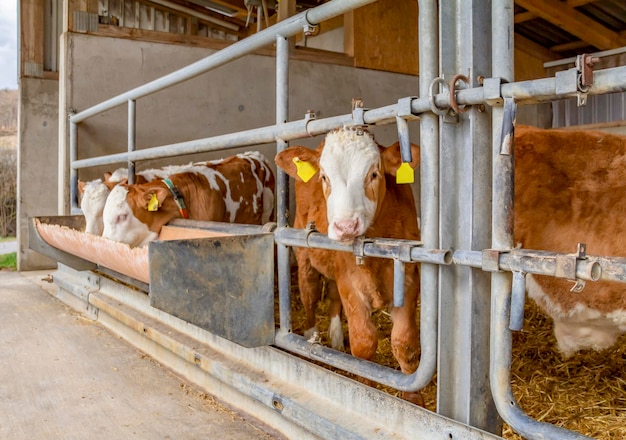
<point x="66" y="377"/>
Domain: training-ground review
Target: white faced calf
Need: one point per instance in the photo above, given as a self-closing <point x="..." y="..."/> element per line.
<point x="353" y="193"/>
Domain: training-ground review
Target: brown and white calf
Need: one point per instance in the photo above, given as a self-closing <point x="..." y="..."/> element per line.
<point x="93" y="196"/>
<point x="238" y="189"/>
<point x="570" y="187"/>
<point x="353" y="193"/>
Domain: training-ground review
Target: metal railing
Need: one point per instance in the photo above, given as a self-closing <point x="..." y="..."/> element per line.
<point x="431" y="107"/>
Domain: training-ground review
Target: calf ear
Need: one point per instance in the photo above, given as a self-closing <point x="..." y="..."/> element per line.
<point x="81" y="187"/>
<point x="288" y="158"/>
<point x="392" y="159"/>
<point x="112" y="185"/>
<point x="161" y="195"/>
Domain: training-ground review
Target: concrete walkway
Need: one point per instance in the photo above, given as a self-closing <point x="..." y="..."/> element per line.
<point x="63" y="376"/>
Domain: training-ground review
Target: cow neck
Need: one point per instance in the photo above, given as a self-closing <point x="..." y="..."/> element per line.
<point x="178" y="198"/>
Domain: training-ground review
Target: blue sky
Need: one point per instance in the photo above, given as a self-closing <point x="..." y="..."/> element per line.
<point x="8" y="44"/>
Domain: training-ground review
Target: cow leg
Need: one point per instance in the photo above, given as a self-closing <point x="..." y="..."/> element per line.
<point x="363" y="335"/>
<point x="310" y="285"/>
<point x="405" y="338"/>
<point x="335" y="329"/>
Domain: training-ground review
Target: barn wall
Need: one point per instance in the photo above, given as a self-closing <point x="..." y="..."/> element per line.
<point x="235" y="97"/>
<point x="37" y="165"/>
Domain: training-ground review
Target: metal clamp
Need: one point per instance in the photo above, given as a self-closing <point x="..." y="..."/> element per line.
<point x="491" y="91"/>
<point x="431" y="96"/>
<point x="358" y="248"/>
<point x="358" y="112"/>
<point x="404" y="108"/>
<point x="310" y="229"/>
<point x="309" y="29"/>
<point x="491" y="260"/>
<point x="308" y="117"/>
<point x="452" y="87"/>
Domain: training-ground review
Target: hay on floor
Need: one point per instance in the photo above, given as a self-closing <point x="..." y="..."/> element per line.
<point x="585" y="393"/>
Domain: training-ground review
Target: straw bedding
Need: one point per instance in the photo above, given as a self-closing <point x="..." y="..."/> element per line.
<point x="585" y="393"/>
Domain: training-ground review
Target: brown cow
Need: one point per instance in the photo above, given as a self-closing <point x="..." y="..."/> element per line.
<point x="353" y="193"/>
<point x="238" y="189"/>
<point x="569" y="188"/>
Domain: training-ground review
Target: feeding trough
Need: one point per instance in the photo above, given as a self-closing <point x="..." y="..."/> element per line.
<point x="219" y="281"/>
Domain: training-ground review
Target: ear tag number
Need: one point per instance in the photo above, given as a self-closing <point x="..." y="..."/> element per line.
<point x="153" y="204"/>
<point x="304" y="169"/>
<point x="405" y="174"/>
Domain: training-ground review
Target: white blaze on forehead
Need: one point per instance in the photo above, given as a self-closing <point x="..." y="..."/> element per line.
<point x="346" y="160"/>
<point x="120" y="224"/>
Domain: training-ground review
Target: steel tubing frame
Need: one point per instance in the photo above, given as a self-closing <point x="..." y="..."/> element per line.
<point x="503" y="317"/>
<point x="430" y="252"/>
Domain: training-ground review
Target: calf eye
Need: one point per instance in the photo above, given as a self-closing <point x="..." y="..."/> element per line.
<point x="121" y="218"/>
<point x="374" y="175"/>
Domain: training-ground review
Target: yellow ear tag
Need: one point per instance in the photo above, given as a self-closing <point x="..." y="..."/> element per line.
<point x="304" y="169"/>
<point x="405" y="174"/>
<point x="153" y="204"/>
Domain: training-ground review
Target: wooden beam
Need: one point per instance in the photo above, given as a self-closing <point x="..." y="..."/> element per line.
<point x="531" y="48"/>
<point x="31" y="38"/>
<point x="523" y="16"/>
<point x="573" y="22"/>
<point x="573" y="45"/>
<point x="385" y="36"/>
<point x="575" y="3"/>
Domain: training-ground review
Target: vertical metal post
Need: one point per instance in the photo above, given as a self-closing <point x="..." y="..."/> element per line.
<point x="132" y="136"/>
<point x="282" y="182"/>
<point x="73" y="172"/>
<point x="465" y="216"/>
<point x="429" y="186"/>
<point x="502" y="239"/>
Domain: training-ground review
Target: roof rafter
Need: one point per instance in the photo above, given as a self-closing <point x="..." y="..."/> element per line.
<point x="573" y="22"/>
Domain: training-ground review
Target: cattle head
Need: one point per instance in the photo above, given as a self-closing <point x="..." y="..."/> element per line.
<point x="126" y="215"/>
<point x="351" y="167"/>
<point x="93" y="196"/>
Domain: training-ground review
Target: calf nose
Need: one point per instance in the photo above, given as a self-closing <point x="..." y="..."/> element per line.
<point x="347" y="228"/>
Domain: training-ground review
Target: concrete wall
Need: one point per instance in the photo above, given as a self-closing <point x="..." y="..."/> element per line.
<point x="37" y="162"/>
<point x="235" y="97"/>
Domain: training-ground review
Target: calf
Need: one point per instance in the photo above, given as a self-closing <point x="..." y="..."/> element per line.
<point x="353" y="193"/>
<point x="93" y="195"/>
<point x="569" y="188"/>
<point x="238" y="189"/>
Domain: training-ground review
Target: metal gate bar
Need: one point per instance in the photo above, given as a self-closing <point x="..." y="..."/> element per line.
<point x="434" y="255"/>
<point x="605" y="81"/>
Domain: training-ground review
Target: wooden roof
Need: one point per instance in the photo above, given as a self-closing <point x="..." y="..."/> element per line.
<point x="547" y="29"/>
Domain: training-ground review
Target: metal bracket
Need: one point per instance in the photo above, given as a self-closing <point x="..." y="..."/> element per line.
<point x="404" y="252"/>
<point x="310" y="228"/>
<point x="358" y="112"/>
<point x="308" y="117"/>
<point x="404" y="108"/>
<point x="491" y="260"/>
<point x="566" y="267"/>
<point x="491" y="91"/>
<point x="584" y="64"/>
<point x="309" y="29"/>
<point x="358" y="248"/>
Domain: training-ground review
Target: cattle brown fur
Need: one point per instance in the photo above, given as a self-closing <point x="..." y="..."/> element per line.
<point x="569" y="188"/>
<point x="361" y="288"/>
